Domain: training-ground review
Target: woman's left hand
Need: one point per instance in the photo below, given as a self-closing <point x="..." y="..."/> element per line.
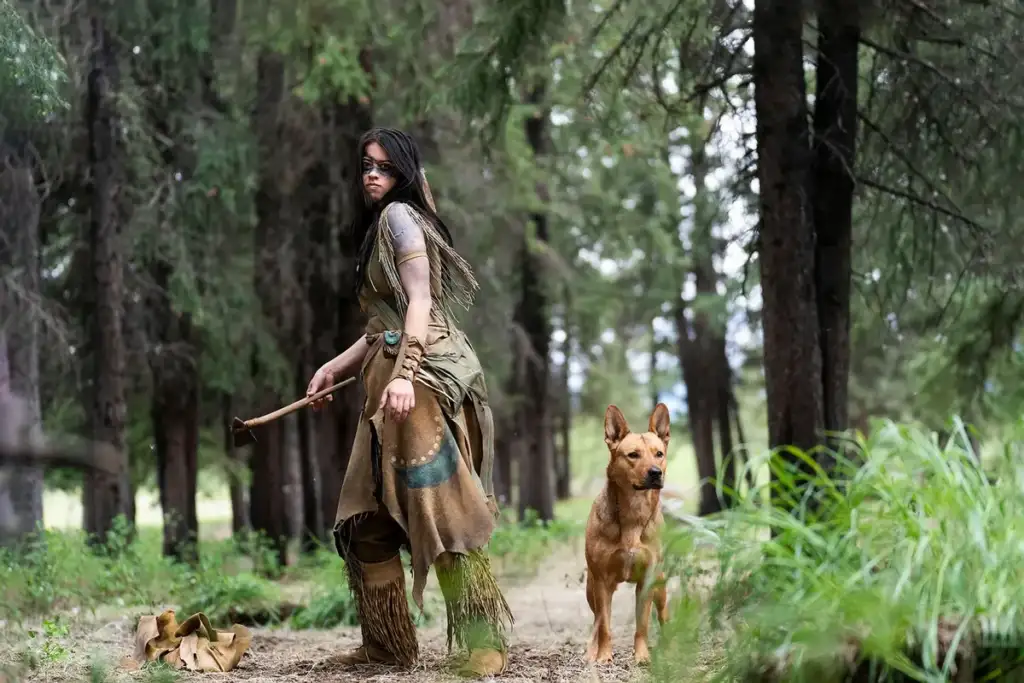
<point x="398" y="400"/>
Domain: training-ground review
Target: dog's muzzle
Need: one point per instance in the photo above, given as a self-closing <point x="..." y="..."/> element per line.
<point x="654" y="479"/>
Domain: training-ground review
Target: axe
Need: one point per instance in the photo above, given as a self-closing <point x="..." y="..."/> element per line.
<point x="242" y="429"/>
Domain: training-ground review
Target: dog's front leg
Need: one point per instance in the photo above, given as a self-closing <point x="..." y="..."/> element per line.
<point x="644" y="602"/>
<point x="660" y="590"/>
<point x="600" y="599"/>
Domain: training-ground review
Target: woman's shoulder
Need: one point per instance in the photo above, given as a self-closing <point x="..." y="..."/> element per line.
<point x="403" y="227"/>
<point x="402" y="211"/>
<point x="403" y="218"/>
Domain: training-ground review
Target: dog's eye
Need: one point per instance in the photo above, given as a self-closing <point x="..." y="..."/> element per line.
<point x="633" y="456"/>
<point x="659" y="454"/>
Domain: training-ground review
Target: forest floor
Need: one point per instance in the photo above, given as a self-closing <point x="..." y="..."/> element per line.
<point x="552" y="627"/>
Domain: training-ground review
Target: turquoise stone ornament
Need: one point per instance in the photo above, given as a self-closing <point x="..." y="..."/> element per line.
<point x="391" y="337"/>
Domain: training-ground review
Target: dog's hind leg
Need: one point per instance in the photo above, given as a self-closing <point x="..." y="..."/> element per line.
<point x="644" y="602"/>
<point x="600" y="600"/>
<point x="590" y="592"/>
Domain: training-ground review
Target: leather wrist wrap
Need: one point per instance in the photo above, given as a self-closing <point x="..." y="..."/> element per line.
<point x="410" y="356"/>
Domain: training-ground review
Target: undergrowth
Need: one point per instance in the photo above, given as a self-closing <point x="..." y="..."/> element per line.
<point x="237" y="579"/>
<point x="905" y="565"/>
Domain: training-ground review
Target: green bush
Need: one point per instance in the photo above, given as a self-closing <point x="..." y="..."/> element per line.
<point x="58" y="571"/>
<point x="908" y="557"/>
<point x="518" y="548"/>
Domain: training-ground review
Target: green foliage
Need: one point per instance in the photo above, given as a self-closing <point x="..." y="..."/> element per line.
<point x="508" y="39"/>
<point x="519" y="548"/>
<point x="915" y="552"/>
<point x="229" y="598"/>
<point x="50" y="647"/>
<point x="56" y="571"/>
<point x="32" y="73"/>
<point x="160" y="672"/>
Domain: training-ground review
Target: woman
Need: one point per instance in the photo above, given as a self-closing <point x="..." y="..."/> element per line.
<point x="420" y="472"/>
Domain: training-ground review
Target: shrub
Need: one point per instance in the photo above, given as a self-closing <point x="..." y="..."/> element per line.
<point x="910" y="564"/>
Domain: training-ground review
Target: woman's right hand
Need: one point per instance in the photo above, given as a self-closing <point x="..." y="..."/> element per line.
<point x="323" y="378"/>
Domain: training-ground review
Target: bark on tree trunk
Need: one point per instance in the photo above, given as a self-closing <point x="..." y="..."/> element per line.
<point x="835" y="137"/>
<point x="563" y="483"/>
<point x="342" y="322"/>
<point x="536" y="491"/>
<point x="236" y="464"/>
<point x="105" y="496"/>
<point x="702" y="353"/>
<point x="21" y="487"/>
<point x="175" y="419"/>
<point x="699" y="408"/>
<point x="293" y="484"/>
<point x="505" y="434"/>
<point x="723" y="406"/>
<point x="269" y="509"/>
<point x="792" y="355"/>
<point x="323" y="297"/>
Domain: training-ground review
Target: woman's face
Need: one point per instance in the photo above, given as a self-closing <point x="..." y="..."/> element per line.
<point x="378" y="173"/>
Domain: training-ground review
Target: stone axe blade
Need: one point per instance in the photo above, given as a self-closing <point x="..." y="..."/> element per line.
<point x="242" y="429"/>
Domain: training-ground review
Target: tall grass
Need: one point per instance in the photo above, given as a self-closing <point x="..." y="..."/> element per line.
<point x="910" y="566"/>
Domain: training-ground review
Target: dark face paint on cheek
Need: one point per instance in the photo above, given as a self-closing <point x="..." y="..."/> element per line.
<point x="383" y="168"/>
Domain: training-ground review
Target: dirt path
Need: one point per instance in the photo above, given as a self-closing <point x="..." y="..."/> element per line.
<point x="552" y="628"/>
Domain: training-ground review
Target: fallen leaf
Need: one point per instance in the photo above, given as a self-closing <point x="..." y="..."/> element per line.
<point x="193" y="645"/>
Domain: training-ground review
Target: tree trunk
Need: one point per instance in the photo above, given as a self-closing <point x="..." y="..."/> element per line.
<point x="294" y="491"/>
<point x="702" y="350"/>
<point x="316" y="315"/>
<point x="268" y="507"/>
<point x="699" y="407"/>
<point x="563" y="483"/>
<point x="236" y="465"/>
<point x="835" y="137"/>
<point x="314" y="526"/>
<point x="21" y="487"/>
<point x="105" y="496"/>
<point x="175" y="419"/>
<point x="723" y="406"/>
<point x="336" y="318"/>
<point x="536" y="491"/>
<point x="505" y="433"/>
<point x="792" y="356"/>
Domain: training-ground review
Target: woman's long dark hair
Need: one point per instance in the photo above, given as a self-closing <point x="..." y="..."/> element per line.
<point x="404" y="156"/>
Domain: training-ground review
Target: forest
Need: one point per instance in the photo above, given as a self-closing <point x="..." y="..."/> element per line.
<point x="793" y="223"/>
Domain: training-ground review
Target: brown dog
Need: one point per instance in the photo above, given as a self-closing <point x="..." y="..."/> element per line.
<point x="622" y="542"/>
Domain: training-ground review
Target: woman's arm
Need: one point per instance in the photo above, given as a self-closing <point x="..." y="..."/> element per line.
<point x="330" y="372"/>
<point x="348" y="360"/>
<point x="410" y="249"/>
<point x="413" y="268"/>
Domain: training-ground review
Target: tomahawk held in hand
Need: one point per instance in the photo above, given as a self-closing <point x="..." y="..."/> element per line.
<point x="242" y="429"/>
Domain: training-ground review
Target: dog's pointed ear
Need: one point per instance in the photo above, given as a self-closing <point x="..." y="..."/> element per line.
<point x="659" y="423"/>
<point x="615" y="427"/>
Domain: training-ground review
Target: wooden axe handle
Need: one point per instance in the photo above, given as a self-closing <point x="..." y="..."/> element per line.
<point x="301" y="403"/>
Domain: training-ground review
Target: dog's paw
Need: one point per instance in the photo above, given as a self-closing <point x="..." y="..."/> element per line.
<point x="599" y="656"/>
<point x="641" y="655"/>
